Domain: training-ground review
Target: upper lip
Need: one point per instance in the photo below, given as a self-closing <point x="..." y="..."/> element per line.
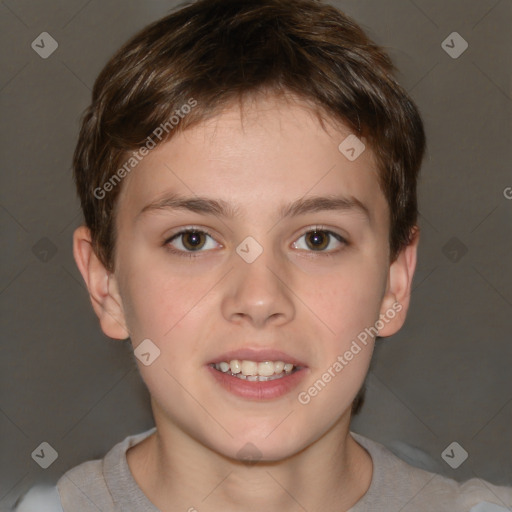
<point x="257" y="355"/>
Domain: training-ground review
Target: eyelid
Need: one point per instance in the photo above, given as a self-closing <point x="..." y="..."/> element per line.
<point x="187" y="229"/>
<point x="337" y="236"/>
<point x="191" y="227"/>
<point x="326" y="229"/>
<point x="182" y="231"/>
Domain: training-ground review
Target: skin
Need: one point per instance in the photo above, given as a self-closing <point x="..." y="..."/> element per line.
<point x="292" y="298"/>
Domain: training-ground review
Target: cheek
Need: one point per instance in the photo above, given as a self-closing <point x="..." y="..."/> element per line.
<point x="348" y="304"/>
<point x="347" y="300"/>
<point x="157" y="301"/>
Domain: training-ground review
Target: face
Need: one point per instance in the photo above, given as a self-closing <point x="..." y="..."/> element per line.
<point x="253" y="240"/>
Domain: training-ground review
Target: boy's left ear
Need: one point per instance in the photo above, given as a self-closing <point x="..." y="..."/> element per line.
<point x="398" y="290"/>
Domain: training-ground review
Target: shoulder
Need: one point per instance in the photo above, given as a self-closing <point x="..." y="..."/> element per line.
<point x="84" y="487"/>
<point x="399" y="485"/>
<point x="96" y="484"/>
<point x="81" y="488"/>
<point x="87" y="487"/>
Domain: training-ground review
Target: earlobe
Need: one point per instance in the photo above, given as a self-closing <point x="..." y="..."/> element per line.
<point x="103" y="293"/>
<point x="396" y="300"/>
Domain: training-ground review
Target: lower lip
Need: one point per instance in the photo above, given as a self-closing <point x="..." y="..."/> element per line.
<point x="256" y="390"/>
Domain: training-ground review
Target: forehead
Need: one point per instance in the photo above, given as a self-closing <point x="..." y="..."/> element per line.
<point x="257" y="159"/>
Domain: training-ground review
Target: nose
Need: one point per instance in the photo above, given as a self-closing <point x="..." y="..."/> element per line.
<point x="258" y="293"/>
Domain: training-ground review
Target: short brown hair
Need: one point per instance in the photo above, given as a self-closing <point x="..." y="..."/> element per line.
<point x="219" y="51"/>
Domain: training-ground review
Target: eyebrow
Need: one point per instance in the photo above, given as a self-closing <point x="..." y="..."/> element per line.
<point x="325" y="203"/>
<point x="194" y="204"/>
<point x="222" y="208"/>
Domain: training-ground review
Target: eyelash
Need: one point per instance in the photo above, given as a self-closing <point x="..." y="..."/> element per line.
<point x="186" y="254"/>
<point x="195" y="254"/>
<point x="327" y="254"/>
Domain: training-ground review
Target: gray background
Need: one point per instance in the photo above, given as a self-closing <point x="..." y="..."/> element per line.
<point x="445" y="377"/>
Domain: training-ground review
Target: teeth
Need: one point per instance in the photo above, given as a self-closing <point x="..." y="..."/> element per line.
<point x="254" y="371"/>
<point x="235" y="365"/>
<point x="278" y="366"/>
<point x="266" y="369"/>
<point x="249" y="368"/>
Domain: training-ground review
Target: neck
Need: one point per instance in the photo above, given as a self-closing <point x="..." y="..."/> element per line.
<point x="177" y="472"/>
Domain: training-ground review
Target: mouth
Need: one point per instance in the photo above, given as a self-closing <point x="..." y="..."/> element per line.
<point x="254" y="371"/>
<point x="257" y="375"/>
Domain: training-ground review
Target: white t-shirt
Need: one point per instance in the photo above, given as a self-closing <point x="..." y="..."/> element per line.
<point x="107" y="485"/>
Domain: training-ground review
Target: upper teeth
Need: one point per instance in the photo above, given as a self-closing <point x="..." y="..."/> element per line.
<point x="263" y="369"/>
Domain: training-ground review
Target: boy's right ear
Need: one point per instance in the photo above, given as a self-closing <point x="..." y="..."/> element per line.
<point x="107" y="303"/>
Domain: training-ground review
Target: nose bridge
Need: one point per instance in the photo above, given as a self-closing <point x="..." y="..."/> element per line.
<point x="257" y="292"/>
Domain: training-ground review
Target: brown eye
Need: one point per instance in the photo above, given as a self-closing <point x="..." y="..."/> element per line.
<point x="317" y="240"/>
<point x="322" y="241"/>
<point x="193" y="240"/>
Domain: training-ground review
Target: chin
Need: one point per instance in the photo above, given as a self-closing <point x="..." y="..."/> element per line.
<point x="261" y="447"/>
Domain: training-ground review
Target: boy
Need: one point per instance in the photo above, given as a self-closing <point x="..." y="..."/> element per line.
<point x="247" y="172"/>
